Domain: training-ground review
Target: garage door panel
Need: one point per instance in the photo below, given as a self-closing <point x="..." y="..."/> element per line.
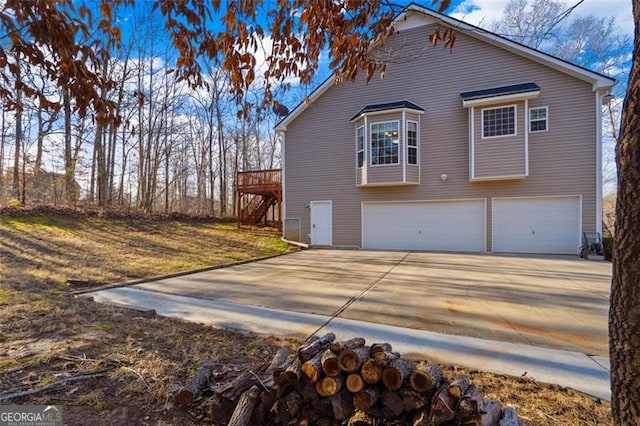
<point x="536" y="225"/>
<point x="445" y="226"/>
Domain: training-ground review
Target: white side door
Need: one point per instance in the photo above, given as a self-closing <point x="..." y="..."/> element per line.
<point x="321" y="226"/>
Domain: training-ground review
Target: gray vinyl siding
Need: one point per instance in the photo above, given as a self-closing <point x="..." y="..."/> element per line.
<point x="503" y="155"/>
<point x="413" y="173"/>
<point x="319" y="150"/>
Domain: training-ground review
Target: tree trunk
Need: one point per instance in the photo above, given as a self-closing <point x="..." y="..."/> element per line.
<point x="365" y="399"/>
<point x="15" y="191"/>
<point x="242" y="414"/>
<point x="330" y="364"/>
<point x="2" y="130"/>
<point x="351" y="360"/>
<point x="624" y="313"/>
<point x="69" y="169"/>
<point x="337" y="347"/>
<point x="370" y="372"/>
<point x="196" y="385"/>
<point x="354" y="383"/>
<point x="312" y="369"/>
<point x="311" y="349"/>
<point x="396" y="372"/>
<point x="426" y="377"/>
<point x="332" y="385"/>
<point x="459" y="386"/>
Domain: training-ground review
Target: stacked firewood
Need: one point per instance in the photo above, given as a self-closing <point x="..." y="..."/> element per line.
<point x="348" y="383"/>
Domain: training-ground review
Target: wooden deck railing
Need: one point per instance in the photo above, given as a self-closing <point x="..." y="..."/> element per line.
<point x="259" y="179"/>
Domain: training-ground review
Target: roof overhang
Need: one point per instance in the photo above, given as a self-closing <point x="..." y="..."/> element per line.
<point x="494" y="95"/>
<point x="389" y="107"/>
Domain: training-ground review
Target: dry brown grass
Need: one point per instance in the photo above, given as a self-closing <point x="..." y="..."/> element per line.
<point x="46" y="335"/>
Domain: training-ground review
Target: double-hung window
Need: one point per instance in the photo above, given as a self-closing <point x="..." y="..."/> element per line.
<point x="412" y="142"/>
<point x="538" y="119"/>
<point x="360" y="146"/>
<point x="384" y="143"/>
<point x="499" y="121"/>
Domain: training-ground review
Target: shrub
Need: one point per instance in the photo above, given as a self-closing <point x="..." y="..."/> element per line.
<point x="607" y="242"/>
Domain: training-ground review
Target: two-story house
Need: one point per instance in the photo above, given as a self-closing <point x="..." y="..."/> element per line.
<point x="489" y="147"/>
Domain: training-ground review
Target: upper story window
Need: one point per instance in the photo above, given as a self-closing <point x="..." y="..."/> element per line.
<point x="412" y="142"/>
<point x="384" y="143"/>
<point x="538" y="119"/>
<point x="360" y="145"/>
<point x="499" y="121"/>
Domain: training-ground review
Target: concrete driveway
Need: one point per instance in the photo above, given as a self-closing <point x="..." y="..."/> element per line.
<point x="556" y="302"/>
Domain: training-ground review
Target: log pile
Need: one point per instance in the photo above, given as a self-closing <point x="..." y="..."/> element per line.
<point x="348" y="383"/>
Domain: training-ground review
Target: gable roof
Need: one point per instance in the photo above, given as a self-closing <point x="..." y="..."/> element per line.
<point x="415" y="15"/>
<point x="387" y="107"/>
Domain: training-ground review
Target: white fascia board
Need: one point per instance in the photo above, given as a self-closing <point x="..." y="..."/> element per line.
<point x="500" y="99"/>
<point x="598" y="81"/>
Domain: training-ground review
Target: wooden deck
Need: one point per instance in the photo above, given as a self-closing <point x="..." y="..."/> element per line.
<point x="259" y="195"/>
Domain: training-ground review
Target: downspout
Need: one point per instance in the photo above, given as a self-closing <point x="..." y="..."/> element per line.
<point x="283" y="206"/>
<point x="599" y="98"/>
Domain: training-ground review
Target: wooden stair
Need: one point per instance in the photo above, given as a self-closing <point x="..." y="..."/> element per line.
<point x="259" y="193"/>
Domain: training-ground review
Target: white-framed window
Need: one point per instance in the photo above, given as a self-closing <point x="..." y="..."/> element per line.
<point x="384" y="139"/>
<point x="360" y="145"/>
<point x="412" y="142"/>
<point x="538" y="119"/>
<point x="499" y="121"/>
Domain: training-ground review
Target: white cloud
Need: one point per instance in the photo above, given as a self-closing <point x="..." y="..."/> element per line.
<point x="483" y="12"/>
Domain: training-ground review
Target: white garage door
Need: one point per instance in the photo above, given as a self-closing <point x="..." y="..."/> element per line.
<point x="438" y="226"/>
<point x="536" y="225"/>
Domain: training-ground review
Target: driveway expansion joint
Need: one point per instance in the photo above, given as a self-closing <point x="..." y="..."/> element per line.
<point x="358" y="296"/>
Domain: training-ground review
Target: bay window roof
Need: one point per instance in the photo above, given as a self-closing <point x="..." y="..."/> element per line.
<point x="388" y="107"/>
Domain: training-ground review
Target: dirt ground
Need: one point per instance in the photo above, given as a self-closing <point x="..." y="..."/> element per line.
<point x="121" y="366"/>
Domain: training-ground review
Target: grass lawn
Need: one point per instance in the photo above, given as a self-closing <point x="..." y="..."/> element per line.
<point x="142" y="360"/>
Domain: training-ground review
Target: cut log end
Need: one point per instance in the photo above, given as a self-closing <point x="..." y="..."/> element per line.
<point x="365" y="399"/>
<point x="354" y="383"/>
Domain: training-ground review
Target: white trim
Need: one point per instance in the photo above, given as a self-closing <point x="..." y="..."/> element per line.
<point x="515" y="121"/>
<point x="515" y="97"/>
<point x="502" y="177"/>
<point x="417" y="142"/>
<point x="472" y="137"/>
<point x="486" y="245"/>
<point x="405" y="138"/>
<point x="438" y="200"/>
<point x="526" y="138"/>
<point x="399" y="143"/>
<point x="389" y="183"/>
<point x="599" y="163"/>
<point x="311" y="203"/>
<point x="546" y="119"/>
<point x="358" y="168"/>
<point x="365" y="175"/>
<point x="388" y="111"/>
<point x="281" y="134"/>
<point x="445" y="200"/>
<point x="578" y="196"/>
